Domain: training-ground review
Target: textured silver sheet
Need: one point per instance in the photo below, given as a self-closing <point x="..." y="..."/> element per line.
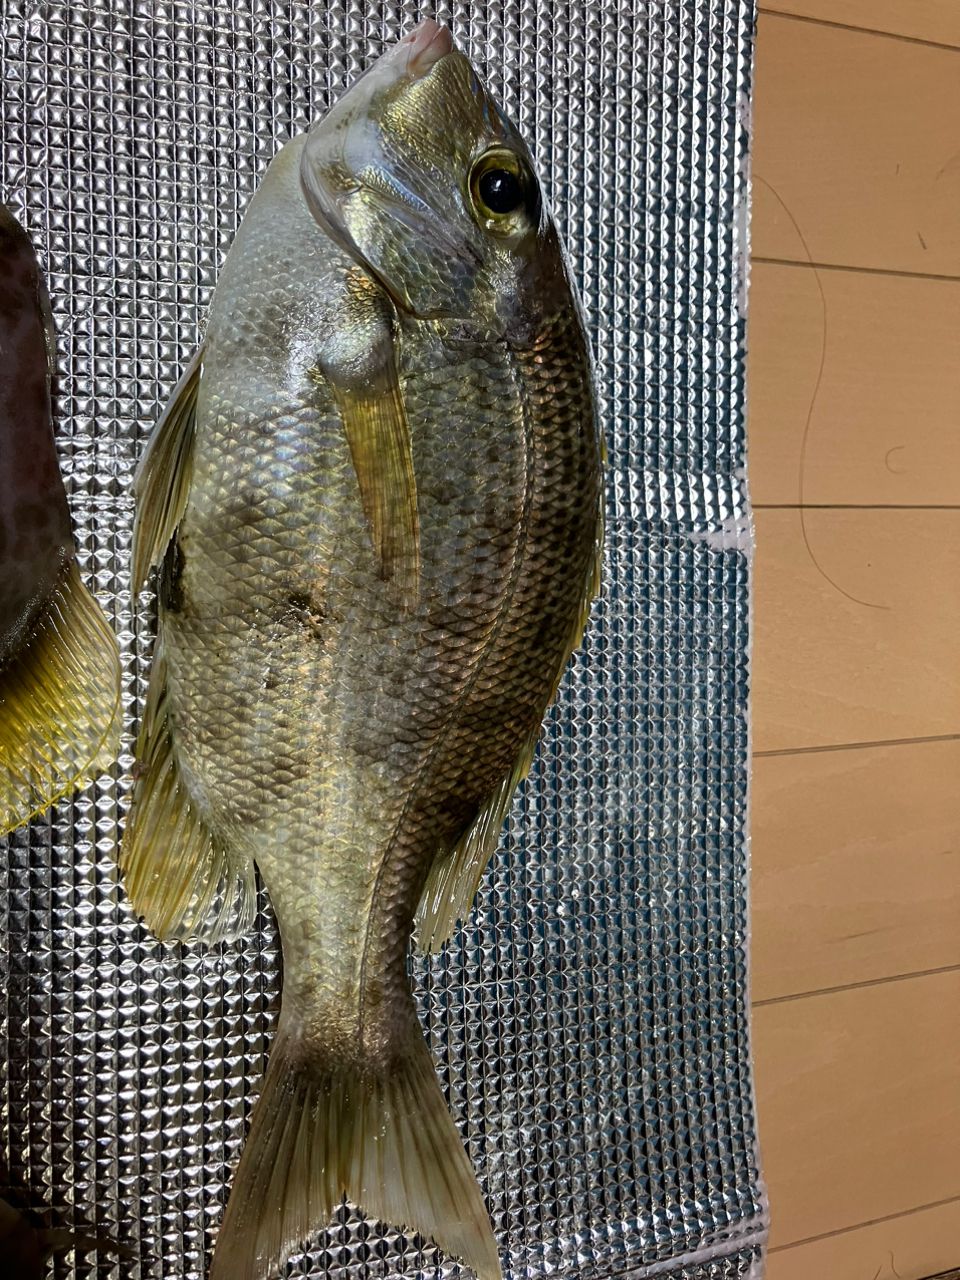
<point x="590" y="1023"/>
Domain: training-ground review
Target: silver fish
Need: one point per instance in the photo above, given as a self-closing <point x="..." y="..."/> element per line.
<point x="59" y="660"/>
<point x="375" y="501"/>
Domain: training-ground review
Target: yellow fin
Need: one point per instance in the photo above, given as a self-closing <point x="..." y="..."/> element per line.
<point x="59" y="704"/>
<point x="379" y="437"/>
<point x="383" y="1136"/>
<point x="182" y="880"/>
<point x="163" y="477"/>
<point x="455" y="875"/>
<point x="362" y="372"/>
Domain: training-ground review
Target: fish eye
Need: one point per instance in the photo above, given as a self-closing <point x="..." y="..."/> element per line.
<point x="500" y="188"/>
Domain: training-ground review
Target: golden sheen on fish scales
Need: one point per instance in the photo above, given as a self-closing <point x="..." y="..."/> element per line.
<point x="375" y="501"/>
<point x="59" y="660"/>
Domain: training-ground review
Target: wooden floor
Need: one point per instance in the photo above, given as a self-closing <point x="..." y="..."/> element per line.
<point x="855" y="473"/>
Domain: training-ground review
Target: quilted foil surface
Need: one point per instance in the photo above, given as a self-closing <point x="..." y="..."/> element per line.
<point x="590" y="1022"/>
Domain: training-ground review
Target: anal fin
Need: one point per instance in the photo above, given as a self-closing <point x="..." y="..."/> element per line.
<point x="454" y="877"/>
<point x="59" y="704"/>
<point x="182" y="879"/>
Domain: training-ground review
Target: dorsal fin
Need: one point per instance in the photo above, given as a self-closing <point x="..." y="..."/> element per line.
<point x="163" y="477"/>
<point x="183" y="881"/>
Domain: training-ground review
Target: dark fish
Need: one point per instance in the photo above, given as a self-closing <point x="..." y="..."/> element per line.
<point x="59" y="660"/>
<point x="24" y="1248"/>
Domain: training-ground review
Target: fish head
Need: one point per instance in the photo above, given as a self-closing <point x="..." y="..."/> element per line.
<point x="420" y="177"/>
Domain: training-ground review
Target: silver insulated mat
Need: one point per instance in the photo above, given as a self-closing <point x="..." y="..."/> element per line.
<point x="590" y="1022"/>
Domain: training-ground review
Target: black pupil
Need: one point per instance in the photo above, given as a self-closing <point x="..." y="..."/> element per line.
<point x="500" y="190"/>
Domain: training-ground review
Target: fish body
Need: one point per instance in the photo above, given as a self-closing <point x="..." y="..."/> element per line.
<point x="59" y="661"/>
<point x="25" y="1248"/>
<point x="375" y="499"/>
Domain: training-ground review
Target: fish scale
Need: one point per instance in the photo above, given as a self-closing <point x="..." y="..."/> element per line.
<point x="59" y="660"/>
<point x="376" y="495"/>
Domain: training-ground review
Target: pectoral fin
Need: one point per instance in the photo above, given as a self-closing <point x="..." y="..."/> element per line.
<point x="379" y="439"/>
<point x="163" y="477"/>
<point x="362" y="372"/>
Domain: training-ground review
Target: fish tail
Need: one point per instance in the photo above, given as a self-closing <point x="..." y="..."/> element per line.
<point x="382" y="1137"/>
<point x="59" y="704"/>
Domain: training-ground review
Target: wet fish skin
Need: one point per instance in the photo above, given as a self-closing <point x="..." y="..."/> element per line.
<point x="376" y="498"/>
<point x="35" y="534"/>
<point x="59" y="661"/>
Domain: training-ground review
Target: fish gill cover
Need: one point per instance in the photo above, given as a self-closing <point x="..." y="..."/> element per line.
<point x="589" y="1023"/>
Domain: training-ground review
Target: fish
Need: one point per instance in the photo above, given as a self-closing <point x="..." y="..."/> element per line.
<point x="59" y="659"/>
<point x="26" y="1248"/>
<point x="374" y="503"/>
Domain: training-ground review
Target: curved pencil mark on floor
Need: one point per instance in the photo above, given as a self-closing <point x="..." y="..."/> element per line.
<point x="867" y="604"/>
<point x="897" y="448"/>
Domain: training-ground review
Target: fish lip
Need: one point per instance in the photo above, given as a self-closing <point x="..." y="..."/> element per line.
<point x="425" y="45"/>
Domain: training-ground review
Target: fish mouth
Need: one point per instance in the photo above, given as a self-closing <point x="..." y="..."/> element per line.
<point x="345" y="146"/>
<point x="426" y="44"/>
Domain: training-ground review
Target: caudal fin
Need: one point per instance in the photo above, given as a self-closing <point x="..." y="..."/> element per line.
<point x="385" y="1139"/>
<point x="59" y="704"/>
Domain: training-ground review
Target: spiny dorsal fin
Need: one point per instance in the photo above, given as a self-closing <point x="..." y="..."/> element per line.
<point x="163" y="477"/>
<point x="59" y="704"/>
<point x="183" y="881"/>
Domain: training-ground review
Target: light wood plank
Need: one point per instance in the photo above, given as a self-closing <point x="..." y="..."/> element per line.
<point x="827" y="667"/>
<point x="909" y="1247"/>
<point x="856" y="866"/>
<point x="937" y="20"/>
<point x="857" y="136"/>
<point x="859" y="1104"/>
<point x="885" y="414"/>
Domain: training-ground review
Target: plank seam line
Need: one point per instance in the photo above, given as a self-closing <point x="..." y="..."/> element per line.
<point x="856" y="506"/>
<point x="808" y="265"/>
<point x="857" y="746"/>
<point x="856" y="986"/>
<point x="850" y="26"/>
<point x="870" y="1222"/>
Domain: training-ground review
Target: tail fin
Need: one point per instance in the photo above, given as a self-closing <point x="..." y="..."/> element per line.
<point x="387" y="1140"/>
<point x="59" y="704"/>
